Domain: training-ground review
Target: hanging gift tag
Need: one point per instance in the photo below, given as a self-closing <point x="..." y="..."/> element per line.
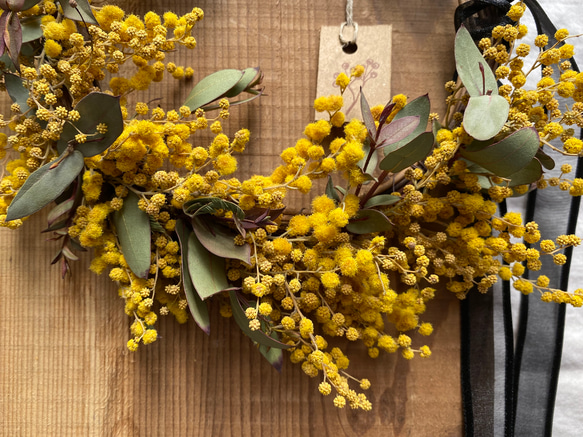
<point x="372" y="50"/>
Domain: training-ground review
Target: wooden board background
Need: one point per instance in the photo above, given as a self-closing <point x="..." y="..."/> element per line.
<point x="64" y="368"/>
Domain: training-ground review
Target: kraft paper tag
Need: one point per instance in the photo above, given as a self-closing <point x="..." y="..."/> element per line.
<point x="373" y="51"/>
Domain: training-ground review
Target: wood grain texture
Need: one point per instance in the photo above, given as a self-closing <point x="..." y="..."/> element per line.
<point x="64" y="368"/>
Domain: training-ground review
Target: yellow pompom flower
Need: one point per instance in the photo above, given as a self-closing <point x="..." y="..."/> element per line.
<point x="107" y="15"/>
<point x="330" y="279"/>
<point x="225" y="164"/>
<point x="132" y="345"/>
<point x="282" y="246"/>
<point x="357" y="71"/>
<point x="338" y="217"/>
<point x="325" y="233"/>
<point x="543" y="281"/>
<point x="299" y="225"/>
<point x="355" y="130"/>
<point x="306" y="327"/>
<point x="400" y="100"/>
<point x="342" y="80"/>
<point x="516" y="11"/>
<point x="54" y="30"/>
<point x="303" y="184"/>
<point x="573" y="145"/>
<point x="325" y="388"/>
<point x="150" y="336"/>
<point x="323" y="204"/>
<point x="505" y="273"/>
<point x="318" y="130"/>
<point x="561" y="34"/>
<point x="425" y="329"/>
<point x="351" y="153"/>
<point x="337" y="119"/>
<point x="52" y="48"/>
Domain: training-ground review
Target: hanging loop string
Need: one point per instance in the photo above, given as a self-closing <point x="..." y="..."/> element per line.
<point x="348" y="23"/>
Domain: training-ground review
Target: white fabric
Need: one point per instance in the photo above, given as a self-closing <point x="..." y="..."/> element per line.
<point x="568" y="418"/>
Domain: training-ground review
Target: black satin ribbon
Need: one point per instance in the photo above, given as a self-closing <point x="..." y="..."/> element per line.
<point x="481" y="16"/>
<point x="531" y="371"/>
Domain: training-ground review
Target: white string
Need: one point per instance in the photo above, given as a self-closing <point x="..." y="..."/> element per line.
<point x="349" y="12"/>
<point x="349" y="22"/>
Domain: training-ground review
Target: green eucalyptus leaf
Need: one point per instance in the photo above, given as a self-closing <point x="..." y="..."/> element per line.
<point x="409" y="154"/>
<point x="476" y="146"/>
<point x="77" y="246"/>
<point x="419" y="107"/>
<point x="30" y="49"/>
<point x="546" y="161"/>
<point x="273" y="355"/>
<point x="509" y="155"/>
<point x="484" y="176"/>
<point x="368" y="221"/>
<point x="61" y="224"/>
<point x="218" y="240"/>
<point x="258" y="336"/>
<point x="398" y="130"/>
<point x="367" y="117"/>
<point x="133" y="231"/>
<point x="207" y="271"/>
<point x="59" y="210"/>
<point x="31" y="29"/>
<point x="372" y="162"/>
<point x="385" y="115"/>
<point x="68" y="253"/>
<point x="527" y="175"/>
<point x="17" y="91"/>
<point x="155" y="226"/>
<point x="213" y="87"/>
<point x="44" y="185"/>
<point x="29" y="4"/>
<point x="474" y="71"/>
<point x="8" y="64"/>
<point x="435" y="127"/>
<point x="381" y="200"/>
<point x="331" y="192"/>
<point x="254" y="95"/>
<point x="485" y="116"/>
<point x="11" y="36"/>
<point x="211" y="205"/>
<point x="95" y="108"/>
<point x="249" y="76"/>
<point x="198" y="308"/>
<point x="81" y="13"/>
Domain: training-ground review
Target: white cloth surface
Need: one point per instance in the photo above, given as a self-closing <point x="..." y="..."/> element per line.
<point x="568" y="418"/>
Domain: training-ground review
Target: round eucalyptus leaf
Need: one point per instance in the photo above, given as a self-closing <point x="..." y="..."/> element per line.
<point x="508" y="156"/>
<point x="474" y="71"/>
<point x="212" y="87"/>
<point x="485" y="116"/>
<point x="368" y="221"/>
<point x="419" y="107"/>
<point x="81" y="13"/>
<point x="94" y="108"/>
<point x="409" y="154"/>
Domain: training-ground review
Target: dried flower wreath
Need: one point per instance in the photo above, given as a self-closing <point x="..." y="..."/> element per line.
<point x="409" y="208"/>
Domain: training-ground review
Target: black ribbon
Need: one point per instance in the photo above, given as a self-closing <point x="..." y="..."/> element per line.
<point x="481" y="16"/>
<point x="531" y="371"/>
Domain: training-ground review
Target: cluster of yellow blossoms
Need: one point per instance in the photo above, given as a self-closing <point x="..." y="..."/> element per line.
<point x="72" y="65"/>
<point x="309" y="278"/>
